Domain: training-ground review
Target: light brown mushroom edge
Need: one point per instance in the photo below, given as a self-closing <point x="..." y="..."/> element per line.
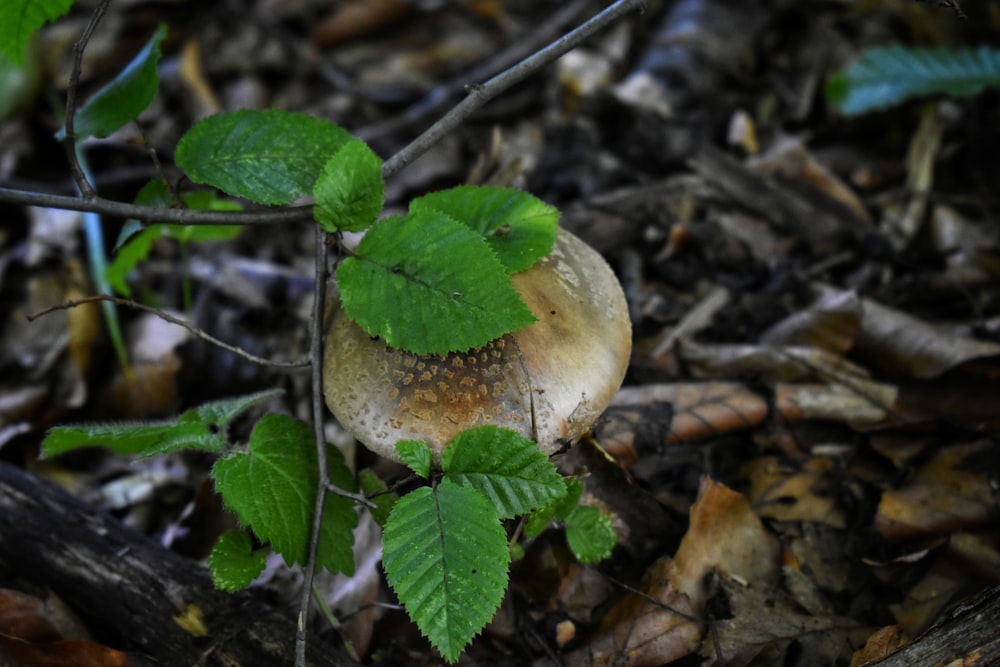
<point x="549" y="381"/>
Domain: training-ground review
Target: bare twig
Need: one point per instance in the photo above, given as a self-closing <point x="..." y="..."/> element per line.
<point x="69" y="141"/>
<point x="150" y="214"/>
<point x="323" y="484"/>
<point x="481" y="94"/>
<point x="440" y="96"/>
<point x="300" y="363"/>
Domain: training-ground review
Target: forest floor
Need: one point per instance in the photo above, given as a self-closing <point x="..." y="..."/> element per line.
<point x="801" y="465"/>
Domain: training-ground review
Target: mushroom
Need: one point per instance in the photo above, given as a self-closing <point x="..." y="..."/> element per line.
<point x="549" y="381"/>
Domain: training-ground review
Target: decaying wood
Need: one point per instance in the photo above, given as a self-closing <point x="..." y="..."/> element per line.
<point x="137" y="595"/>
<point x="966" y="636"/>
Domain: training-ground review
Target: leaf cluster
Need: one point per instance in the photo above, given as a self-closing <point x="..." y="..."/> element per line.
<point x="445" y="549"/>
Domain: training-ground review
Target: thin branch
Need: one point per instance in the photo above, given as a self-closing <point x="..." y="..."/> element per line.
<point x="481" y="94"/>
<point x="149" y="214"/>
<point x="316" y="355"/>
<point x="440" y="96"/>
<point x="300" y="363"/>
<point x="69" y="141"/>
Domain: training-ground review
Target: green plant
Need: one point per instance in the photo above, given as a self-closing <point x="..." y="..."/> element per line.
<point x="886" y="76"/>
<point x="449" y="261"/>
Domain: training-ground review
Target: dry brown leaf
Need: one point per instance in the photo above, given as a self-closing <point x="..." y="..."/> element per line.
<point x="647" y="629"/>
<point x="951" y="492"/>
<point x="727" y="537"/>
<point x="904" y="345"/>
<point x="800" y="494"/>
<point x="883" y="643"/>
<point x="860" y="402"/>
<point x="653" y="416"/>
<point x="790" y="160"/>
<point x="763" y="626"/>
<point x="30" y="636"/>
<point x="830" y="323"/>
<point x="351" y="20"/>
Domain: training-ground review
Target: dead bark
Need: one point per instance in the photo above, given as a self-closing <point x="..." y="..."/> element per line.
<point x="136" y="595"/>
<point x="967" y="635"/>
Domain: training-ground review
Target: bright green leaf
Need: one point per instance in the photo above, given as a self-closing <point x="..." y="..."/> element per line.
<point x="123" y="98"/>
<point x="350" y="189"/>
<point x="589" y="534"/>
<point x="234" y="563"/>
<point x="272" y="489"/>
<point x="201" y="428"/>
<point x="519" y="227"/>
<point x="445" y="555"/>
<point x="268" y="156"/>
<point x="416" y="455"/>
<point x="507" y="468"/>
<point x="19" y="19"/>
<point x="886" y="76"/>
<point x="456" y="292"/>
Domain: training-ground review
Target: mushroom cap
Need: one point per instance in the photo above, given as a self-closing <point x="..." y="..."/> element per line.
<point x="562" y="370"/>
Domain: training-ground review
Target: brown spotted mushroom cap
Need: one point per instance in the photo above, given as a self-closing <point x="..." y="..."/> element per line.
<point x="549" y="381"/>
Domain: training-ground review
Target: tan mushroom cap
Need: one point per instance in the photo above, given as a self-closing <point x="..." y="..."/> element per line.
<point x="564" y="368"/>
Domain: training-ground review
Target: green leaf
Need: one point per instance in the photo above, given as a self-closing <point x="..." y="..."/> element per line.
<point x="457" y="294"/>
<point x="886" y="76"/>
<point x="372" y="484"/>
<point x="519" y="227"/>
<point x="589" y="534"/>
<point x="123" y="98"/>
<point x="507" y="468"/>
<point x="445" y="555"/>
<point x="135" y="247"/>
<point x="336" y="542"/>
<point x="416" y="455"/>
<point x="350" y="189"/>
<point x="268" y="156"/>
<point x="234" y="563"/>
<point x="202" y="428"/>
<point x="557" y="510"/>
<point x="19" y="19"/>
<point x="272" y="489"/>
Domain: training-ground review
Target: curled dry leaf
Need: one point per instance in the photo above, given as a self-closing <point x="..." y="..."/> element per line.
<point x="725" y="537"/>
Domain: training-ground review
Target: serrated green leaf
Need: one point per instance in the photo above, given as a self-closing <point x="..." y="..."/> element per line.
<point x="234" y="563"/>
<point x="124" y="97"/>
<point x="589" y="534"/>
<point x="19" y="19"/>
<point x="507" y="468"/>
<point x="144" y="438"/>
<point x="557" y="510"/>
<point x="519" y="227"/>
<point x="457" y="294"/>
<point x="416" y="455"/>
<point x="202" y="428"/>
<point x="886" y="76"/>
<point x="135" y="247"/>
<point x="268" y="156"/>
<point x="350" y="190"/>
<point x="272" y="489"/>
<point x="445" y="555"/>
<point x="378" y="492"/>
